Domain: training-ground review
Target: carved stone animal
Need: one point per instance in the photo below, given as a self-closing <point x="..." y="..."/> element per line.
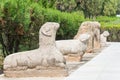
<point x="46" y="57"/>
<point x="103" y="38"/>
<point x="73" y="46"/>
<point x="92" y="28"/>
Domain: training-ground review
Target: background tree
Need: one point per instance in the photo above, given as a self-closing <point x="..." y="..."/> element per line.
<point x="110" y="7"/>
<point x="93" y="8"/>
<point x="46" y="3"/>
<point x="12" y="25"/>
<point x="118" y="7"/>
<point x="90" y="8"/>
<point x="65" y="5"/>
<point x="20" y="20"/>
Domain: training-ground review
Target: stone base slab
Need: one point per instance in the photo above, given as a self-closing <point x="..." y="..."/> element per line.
<point x="73" y="58"/>
<point x="37" y="73"/>
<point x="2" y="77"/>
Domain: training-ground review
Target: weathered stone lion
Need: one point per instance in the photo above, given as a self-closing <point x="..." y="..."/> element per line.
<point x="103" y="38"/>
<point x="44" y="61"/>
<point x="92" y="28"/>
<point x="75" y="47"/>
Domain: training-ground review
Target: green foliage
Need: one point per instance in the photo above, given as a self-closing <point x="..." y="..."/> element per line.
<point x="112" y="25"/>
<point x="1" y="61"/>
<point x="46" y="3"/>
<point x="110" y="8"/>
<point x="31" y="14"/>
<point x="118" y="7"/>
<point x="13" y="19"/>
<point x="114" y="32"/>
<point x="93" y="8"/>
<point x="106" y="19"/>
<point x="69" y="22"/>
<point x="65" y="5"/>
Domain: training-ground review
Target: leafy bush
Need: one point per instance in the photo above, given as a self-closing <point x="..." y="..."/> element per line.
<point x="105" y="19"/>
<point x="31" y="15"/>
<point x="114" y="31"/>
<point x="113" y="26"/>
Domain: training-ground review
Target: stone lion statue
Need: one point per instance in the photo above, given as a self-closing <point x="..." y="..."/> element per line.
<point x="103" y="38"/>
<point x="72" y="46"/>
<point x="92" y="28"/>
<point x="44" y="61"/>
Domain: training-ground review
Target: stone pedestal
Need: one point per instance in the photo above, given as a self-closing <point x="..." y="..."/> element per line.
<point x="73" y="58"/>
<point x="2" y="77"/>
<point x="53" y="72"/>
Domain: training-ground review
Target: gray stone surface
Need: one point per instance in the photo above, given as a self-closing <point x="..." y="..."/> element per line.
<point x="105" y="66"/>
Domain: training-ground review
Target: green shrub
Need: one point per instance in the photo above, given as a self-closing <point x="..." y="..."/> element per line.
<point x="105" y="19"/>
<point x="114" y="32"/>
<point x="69" y="22"/>
<point x="32" y="16"/>
<point x="112" y="24"/>
<point x="114" y="28"/>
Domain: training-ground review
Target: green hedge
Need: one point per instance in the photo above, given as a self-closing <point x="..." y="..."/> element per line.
<point x="106" y="19"/>
<point x="69" y="22"/>
<point x="19" y="11"/>
<point x="114" y="31"/>
<point x="112" y="24"/>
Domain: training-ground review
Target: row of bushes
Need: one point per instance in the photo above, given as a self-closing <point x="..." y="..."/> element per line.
<point x="69" y="24"/>
<point x="29" y="15"/>
<point x="112" y="24"/>
<point x="35" y="16"/>
<point x="32" y="16"/>
<point x="114" y="31"/>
